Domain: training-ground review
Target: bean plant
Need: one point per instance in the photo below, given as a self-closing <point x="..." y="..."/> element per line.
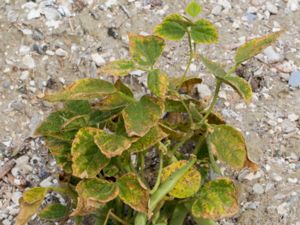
<point x="149" y="160"/>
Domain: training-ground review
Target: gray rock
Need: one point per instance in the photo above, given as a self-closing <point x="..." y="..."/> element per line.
<point x="60" y="52"/>
<point x="294" y="80"/>
<point x="272" y="56"/>
<point x="250" y="16"/>
<point x="98" y="59"/>
<point x="204" y="91"/>
<point x="6" y="84"/>
<point x="27" y="62"/>
<point x="217" y="10"/>
<point x="293" y="5"/>
<point x="272" y="8"/>
<point x="258" y="189"/>
<point x="288" y="126"/>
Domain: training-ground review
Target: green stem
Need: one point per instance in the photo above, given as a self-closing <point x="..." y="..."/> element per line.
<point x="188" y="111"/>
<point x="169" y="184"/>
<point x="214" y="101"/>
<point x="157" y="183"/>
<point x="190" y="59"/>
<point x="115" y="217"/>
<point x="179" y="215"/>
<point x="200" y="143"/>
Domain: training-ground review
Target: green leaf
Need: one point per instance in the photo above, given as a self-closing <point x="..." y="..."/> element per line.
<point x="228" y="145"/>
<point x="187" y="185"/>
<point x="141" y="116"/>
<point x="204" y="32"/>
<point x="158" y="83"/>
<point x="84" y="89"/>
<point x="145" y="50"/>
<point x="111" y="145"/>
<point x="123" y="88"/>
<point x="61" y="151"/>
<point x="78" y="107"/>
<point x="213" y="67"/>
<point x="173" y="27"/>
<point x="193" y="9"/>
<point x="54" y="211"/>
<point x="93" y="194"/>
<point x="216" y="200"/>
<point x="151" y="138"/>
<point x="240" y="85"/>
<point x="118" y="68"/>
<point x="110" y="170"/>
<point x="133" y="192"/>
<point x="201" y="221"/>
<point x="255" y="46"/>
<point x="97" y="190"/>
<point x="115" y="101"/>
<point x="86" y="156"/>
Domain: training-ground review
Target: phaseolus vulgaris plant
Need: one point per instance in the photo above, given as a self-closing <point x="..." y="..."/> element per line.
<point x="103" y="138"/>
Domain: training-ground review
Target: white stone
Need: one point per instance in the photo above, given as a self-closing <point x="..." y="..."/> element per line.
<point x="15" y="197"/>
<point x="24" y="75"/>
<point x="293" y="5"/>
<point x="203" y="90"/>
<point x="28" y="62"/>
<point x="293" y="180"/>
<point x="137" y="73"/>
<point x="293" y="117"/>
<point x="110" y="3"/>
<point x="272" y="8"/>
<point x="193" y="67"/>
<point x="98" y="59"/>
<point x="22" y="160"/>
<point x="24" y="50"/>
<point x="283" y="209"/>
<point x="258" y="189"/>
<point x="272" y="56"/>
<point x="33" y="14"/>
<point x="60" y="52"/>
<point x="217" y="10"/>
<point x="46" y="182"/>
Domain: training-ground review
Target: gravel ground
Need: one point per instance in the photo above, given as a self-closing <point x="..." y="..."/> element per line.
<point x="45" y="44"/>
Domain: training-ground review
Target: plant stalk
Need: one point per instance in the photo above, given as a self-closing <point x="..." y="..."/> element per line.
<point x="157" y="183"/>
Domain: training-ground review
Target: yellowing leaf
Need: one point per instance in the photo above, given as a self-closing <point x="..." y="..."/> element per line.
<point x="145" y="50"/>
<point x="118" y="68"/>
<point x="86" y="156"/>
<point x="141" y="116"/>
<point x="158" y="82"/>
<point x="255" y="46"/>
<point x="217" y="199"/>
<point x="188" y="85"/>
<point x="123" y="88"/>
<point x="34" y="195"/>
<point x="151" y="138"/>
<point x="111" y="145"/>
<point x="54" y="211"/>
<point x="188" y="184"/>
<point x="173" y="27"/>
<point x="204" y="32"/>
<point x="193" y="9"/>
<point x="98" y="190"/>
<point x="240" y="85"/>
<point x="27" y="211"/>
<point x="133" y="192"/>
<point x="93" y="194"/>
<point x="84" y="89"/>
<point x="228" y="145"/>
<point x="30" y="203"/>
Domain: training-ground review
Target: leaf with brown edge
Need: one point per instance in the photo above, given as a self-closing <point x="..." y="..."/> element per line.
<point x="86" y="156"/>
<point x="204" y="32"/>
<point x="188" y="185"/>
<point x="215" y="118"/>
<point x="151" y="138"/>
<point x="158" y="83"/>
<point x="217" y="199"/>
<point x="27" y="211"/>
<point x="118" y="68"/>
<point x="83" y="89"/>
<point x="111" y="144"/>
<point x="188" y="85"/>
<point x="255" y="46"/>
<point x="30" y="203"/>
<point x="228" y="144"/>
<point x="145" y="50"/>
<point x="133" y="192"/>
<point x="240" y="85"/>
<point x="141" y="116"/>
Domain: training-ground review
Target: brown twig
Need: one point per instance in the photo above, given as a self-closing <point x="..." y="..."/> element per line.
<point x="6" y="168"/>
